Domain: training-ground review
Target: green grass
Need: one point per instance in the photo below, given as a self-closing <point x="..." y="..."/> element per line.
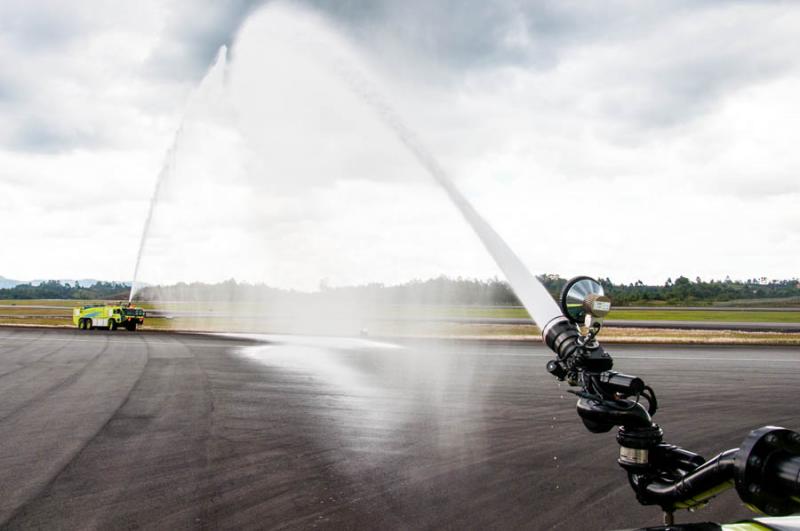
<point x="655" y="314"/>
<point x="12" y="307"/>
<point x="706" y="315"/>
<point x="67" y="304"/>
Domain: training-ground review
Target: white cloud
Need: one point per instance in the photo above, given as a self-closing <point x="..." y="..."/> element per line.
<point x="643" y="142"/>
<point x="81" y="135"/>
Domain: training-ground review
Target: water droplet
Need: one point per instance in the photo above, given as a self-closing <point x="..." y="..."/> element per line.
<point x="555" y="458"/>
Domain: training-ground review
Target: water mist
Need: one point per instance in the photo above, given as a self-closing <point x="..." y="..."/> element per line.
<point x="531" y="292"/>
<point x="332" y="54"/>
<point x="326" y="180"/>
<point x="208" y="89"/>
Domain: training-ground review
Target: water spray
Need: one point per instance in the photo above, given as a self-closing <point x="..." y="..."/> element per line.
<point x="533" y="295"/>
<point x="765" y="470"/>
<point x="168" y="167"/>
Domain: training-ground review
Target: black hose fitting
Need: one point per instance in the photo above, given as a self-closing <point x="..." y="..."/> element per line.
<point x="643" y="438"/>
<point x="765" y="471"/>
<point x="768" y="470"/>
<point x="564" y="338"/>
<point x="693" y="489"/>
<point x="636" y="444"/>
<point x="599" y="416"/>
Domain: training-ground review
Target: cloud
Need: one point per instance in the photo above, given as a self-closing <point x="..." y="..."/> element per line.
<point x="40" y="136"/>
<point x="45" y="24"/>
<point x="194" y="31"/>
<point x="674" y="121"/>
<point x="8" y="92"/>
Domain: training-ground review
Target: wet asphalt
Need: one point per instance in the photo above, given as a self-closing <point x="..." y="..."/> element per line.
<point x="124" y="430"/>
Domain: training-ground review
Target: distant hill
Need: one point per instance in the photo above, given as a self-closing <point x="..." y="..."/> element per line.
<point x="6" y="283"/>
<point x="84" y="282"/>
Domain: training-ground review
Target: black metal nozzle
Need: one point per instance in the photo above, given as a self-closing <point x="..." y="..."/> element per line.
<point x="562" y="337"/>
<point x="573" y="350"/>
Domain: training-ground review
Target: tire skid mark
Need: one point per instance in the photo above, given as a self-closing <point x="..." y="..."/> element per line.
<point x="20" y="509"/>
<point x="25" y="336"/>
<point x="158" y="400"/>
<point x="68" y="380"/>
<point x="152" y="421"/>
<point x="209" y="486"/>
<point x="22" y="366"/>
<point x="14" y="332"/>
<point x="267" y="441"/>
<point x="11" y="349"/>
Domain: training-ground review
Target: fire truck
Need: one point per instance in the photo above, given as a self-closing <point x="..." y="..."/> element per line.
<point x="108" y="316"/>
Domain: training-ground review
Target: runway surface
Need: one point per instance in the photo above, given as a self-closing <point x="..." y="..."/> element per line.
<point x="154" y="430"/>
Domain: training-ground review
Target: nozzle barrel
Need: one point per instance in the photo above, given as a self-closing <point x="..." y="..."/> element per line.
<point x="562" y="337"/>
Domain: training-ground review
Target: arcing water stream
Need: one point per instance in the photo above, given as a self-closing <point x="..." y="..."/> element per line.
<point x="215" y="75"/>
<point x="209" y="211"/>
<point x="531" y="292"/>
<point x="533" y="295"/>
<point x="169" y="164"/>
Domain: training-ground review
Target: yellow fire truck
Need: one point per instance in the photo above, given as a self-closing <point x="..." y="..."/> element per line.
<point x="107" y="316"/>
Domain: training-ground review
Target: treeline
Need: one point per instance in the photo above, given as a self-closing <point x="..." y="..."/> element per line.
<point x="441" y="290"/>
<point x="52" y="289"/>
<point x="684" y="292"/>
<point x="494" y="292"/>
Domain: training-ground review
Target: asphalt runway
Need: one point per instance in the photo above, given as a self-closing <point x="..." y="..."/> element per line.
<point x="153" y="430"/>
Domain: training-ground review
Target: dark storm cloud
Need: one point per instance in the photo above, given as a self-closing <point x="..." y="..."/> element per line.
<point x="459" y="34"/>
<point x="471" y="33"/>
<point x="197" y="29"/>
<point x="682" y="81"/>
<point x="463" y="35"/>
<point x="674" y="83"/>
<point x="675" y="91"/>
<point x="194" y="33"/>
<point x="474" y="33"/>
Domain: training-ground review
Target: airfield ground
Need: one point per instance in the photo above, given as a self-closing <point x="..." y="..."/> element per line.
<point x="119" y="430"/>
<point x="757" y="326"/>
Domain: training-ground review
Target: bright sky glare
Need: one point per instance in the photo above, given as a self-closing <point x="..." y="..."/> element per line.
<point x="632" y="140"/>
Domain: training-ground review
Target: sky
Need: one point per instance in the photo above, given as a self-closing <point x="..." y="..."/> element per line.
<point x="633" y="140"/>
